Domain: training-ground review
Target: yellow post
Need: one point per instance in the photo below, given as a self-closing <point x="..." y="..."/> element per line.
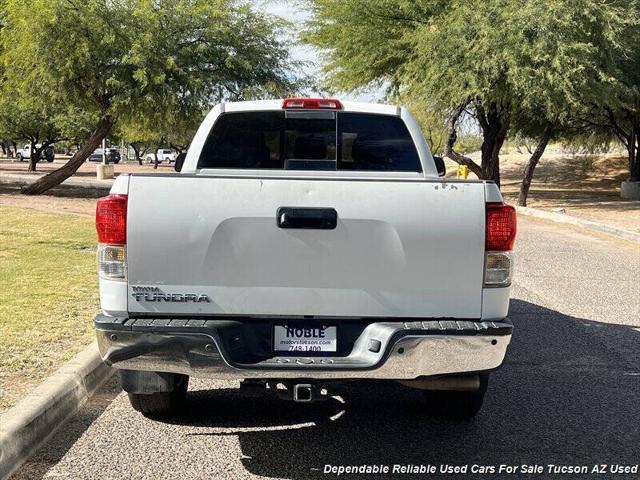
<point x="463" y="171"/>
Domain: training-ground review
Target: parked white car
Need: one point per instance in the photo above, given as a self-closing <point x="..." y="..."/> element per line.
<point x="305" y="242"/>
<point x="164" y="155"/>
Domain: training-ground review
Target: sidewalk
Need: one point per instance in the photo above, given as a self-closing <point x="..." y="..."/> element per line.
<point x="580" y="222"/>
<point x="600" y="206"/>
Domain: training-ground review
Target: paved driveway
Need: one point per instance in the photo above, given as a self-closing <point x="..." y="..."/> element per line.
<point x="569" y="393"/>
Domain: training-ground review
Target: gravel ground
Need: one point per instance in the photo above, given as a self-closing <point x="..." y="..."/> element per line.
<point x="584" y="186"/>
<point x="568" y="393"/>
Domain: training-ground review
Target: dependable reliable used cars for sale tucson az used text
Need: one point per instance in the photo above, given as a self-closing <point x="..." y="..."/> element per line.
<point x="303" y="242"/>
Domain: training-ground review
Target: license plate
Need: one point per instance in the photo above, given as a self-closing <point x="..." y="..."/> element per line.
<point x="304" y="339"/>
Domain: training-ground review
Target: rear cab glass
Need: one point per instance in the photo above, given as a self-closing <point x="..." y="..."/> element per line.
<point x="310" y="140"/>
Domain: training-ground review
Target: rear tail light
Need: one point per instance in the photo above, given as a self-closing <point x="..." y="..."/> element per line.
<point x="312" y="103"/>
<point x="501" y="228"/>
<point x="111" y="225"/>
<point x="111" y="219"/>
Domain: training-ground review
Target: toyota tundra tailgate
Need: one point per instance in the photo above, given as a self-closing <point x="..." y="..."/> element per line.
<point x="261" y="246"/>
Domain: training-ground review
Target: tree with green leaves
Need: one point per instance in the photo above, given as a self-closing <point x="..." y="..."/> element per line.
<point x="127" y="60"/>
<point x="42" y="125"/>
<point x="164" y="128"/>
<point x="29" y="125"/>
<point x="500" y="61"/>
<point x="588" y="52"/>
<point x="618" y="113"/>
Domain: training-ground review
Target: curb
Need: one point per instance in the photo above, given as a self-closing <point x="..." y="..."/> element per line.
<point x="579" y="222"/>
<point x="26" y="426"/>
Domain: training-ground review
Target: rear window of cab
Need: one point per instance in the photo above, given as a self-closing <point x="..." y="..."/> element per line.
<point x="310" y="140"/>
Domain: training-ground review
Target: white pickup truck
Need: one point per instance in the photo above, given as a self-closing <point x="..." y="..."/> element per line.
<point x="24" y="153"/>
<point x="304" y="242"/>
<point x="163" y="155"/>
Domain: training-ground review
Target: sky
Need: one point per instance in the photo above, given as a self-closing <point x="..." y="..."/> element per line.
<point x="293" y="11"/>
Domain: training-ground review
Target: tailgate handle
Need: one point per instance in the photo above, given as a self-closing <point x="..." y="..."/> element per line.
<point x="307" y="217"/>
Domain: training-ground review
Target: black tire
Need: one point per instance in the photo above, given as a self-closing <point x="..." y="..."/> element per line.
<point x="50" y="159"/>
<point x="455" y="404"/>
<point x="19" y="157"/>
<point x="161" y="404"/>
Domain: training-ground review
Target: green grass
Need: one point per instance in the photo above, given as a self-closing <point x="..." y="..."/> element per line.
<point x="48" y="295"/>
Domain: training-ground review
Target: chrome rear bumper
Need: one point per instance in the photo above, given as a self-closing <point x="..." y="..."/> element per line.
<point x="383" y="350"/>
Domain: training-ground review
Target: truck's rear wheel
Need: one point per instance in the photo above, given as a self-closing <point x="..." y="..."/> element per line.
<point x="456" y="404"/>
<point x="163" y="403"/>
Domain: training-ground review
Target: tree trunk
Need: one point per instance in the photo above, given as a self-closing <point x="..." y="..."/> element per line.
<point x="449" y="152"/>
<point x="155" y="154"/>
<point x="4" y="150"/>
<point x="495" y="126"/>
<point x="34" y="157"/>
<point x="531" y="165"/>
<point x="60" y="175"/>
<point x="15" y="149"/>
<point x="136" y="152"/>
<point x="634" y="150"/>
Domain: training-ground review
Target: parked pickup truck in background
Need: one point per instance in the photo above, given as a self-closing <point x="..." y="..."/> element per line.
<point x="163" y="154"/>
<point x="305" y="242"/>
<point x="24" y="153"/>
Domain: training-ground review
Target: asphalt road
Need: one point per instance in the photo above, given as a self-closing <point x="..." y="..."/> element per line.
<point x="568" y="394"/>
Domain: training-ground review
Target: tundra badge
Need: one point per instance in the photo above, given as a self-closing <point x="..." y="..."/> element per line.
<point x="154" y="294"/>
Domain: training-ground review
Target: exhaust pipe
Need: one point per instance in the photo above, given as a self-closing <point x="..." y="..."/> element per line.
<point x="302" y="392"/>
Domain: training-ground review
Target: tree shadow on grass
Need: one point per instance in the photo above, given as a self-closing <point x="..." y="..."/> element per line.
<point x="62" y="191"/>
